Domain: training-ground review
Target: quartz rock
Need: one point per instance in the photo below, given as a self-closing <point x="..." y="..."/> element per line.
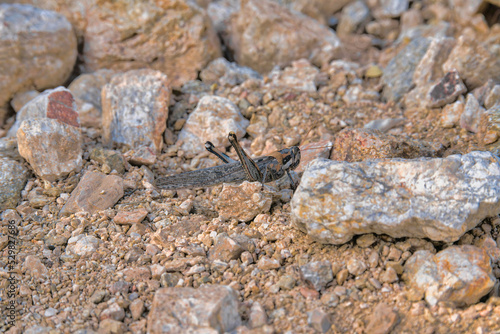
<point x="135" y="109"/>
<point x="208" y="309"/>
<point x="436" y="198"/>
<point x="212" y="120"/>
<point x="83" y="245"/>
<point x="459" y="274"/>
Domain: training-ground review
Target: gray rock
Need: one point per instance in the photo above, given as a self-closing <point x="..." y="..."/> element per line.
<point x="318" y="320"/>
<point x="458" y="274"/>
<point x="21" y="99"/>
<point x="352" y="16"/>
<point x="38" y="50"/>
<point x="135" y="109"/>
<point x="52" y="148"/>
<point x="9" y="150"/>
<point x="257" y="317"/>
<point x="385" y="124"/>
<point x="317" y="274"/>
<point x="446" y="90"/>
<point x="113" y="311"/>
<point x="471" y="116"/>
<point x="398" y="75"/>
<point x="436" y="198"/>
<point x="213" y="118"/>
<point x="226" y="73"/>
<point x="13" y="178"/>
<point x="451" y="113"/>
<point x="95" y="191"/>
<point x="392" y="8"/>
<point x="208" y="309"/>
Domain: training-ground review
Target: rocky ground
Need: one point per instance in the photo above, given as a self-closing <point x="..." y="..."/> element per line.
<point x="395" y="228"/>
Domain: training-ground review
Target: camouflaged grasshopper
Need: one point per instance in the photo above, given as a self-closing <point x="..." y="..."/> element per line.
<point x="263" y="169"/>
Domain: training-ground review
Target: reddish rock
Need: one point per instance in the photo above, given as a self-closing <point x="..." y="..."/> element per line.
<point x="173" y="36"/>
<point x="130" y="217"/>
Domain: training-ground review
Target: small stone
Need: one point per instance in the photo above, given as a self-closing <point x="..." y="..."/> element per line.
<point x="157" y="270"/>
<point x="330" y="299"/>
<point x="130" y="217"/>
<point x="143" y="155"/>
<point x="493" y="97"/>
<point x="21" y="99"/>
<point x="459" y="274"/>
<point x="135" y="109"/>
<point x="318" y="320"/>
<point x="225" y="249"/>
<point x="95" y="191"/>
<point x="266" y="263"/>
<point x="366" y="240"/>
<point x="447" y="90"/>
<point x="317" y="274"/>
<point x="373" y="72"/>
<point x="211" y="307"/>
<point x="114" y="311"/>
<point x="138" y="274"/>
<point x="119" y="287"/>
<point x="382" y="320"/>
<point x="356" y="267"/>
<point x="83" y="245"/>
<point x="286" y="282"/>
<point x="109" y="157"/>
<point x="342" y="276"/>
<point x="13" y="178"/>
<point x="300" y="76"/>
<point x="385" y="124"/>
<point x="257" y="317"/>
<point x="226" y="73"/>
<point x="136" y="308"/>
<point x="34" y="267"/>
<point x="98" y="296"/>
<point x="489" y="126"/>
<point x="471" y="116"/>
<point x="212" y="120"/>
<point x="50" y="312"/>
<point x="450" y="116"/>
<point x="389" y="276"/>
<point x="250" y="198"/>
<point x="352" y="16"/>
<point x="111" y="326"/>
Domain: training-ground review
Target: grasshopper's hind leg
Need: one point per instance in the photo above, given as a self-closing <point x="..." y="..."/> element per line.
<point x="251" y="169"/>
<point x="224" y="157"/>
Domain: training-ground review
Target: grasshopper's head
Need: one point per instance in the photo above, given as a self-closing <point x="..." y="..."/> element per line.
<point x="291" y="157"/>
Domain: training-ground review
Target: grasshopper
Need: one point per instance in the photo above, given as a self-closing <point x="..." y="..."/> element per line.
<point x="264" y="169"/>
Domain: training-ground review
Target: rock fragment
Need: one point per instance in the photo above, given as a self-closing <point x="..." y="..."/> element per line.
<point x="13" y="178"/>
<point x="352" y="16"/>
<point x="361" y="144"/>
<point x="489" y="126"/>
<point x="95" y="191"/>
<point x="52" y="148"/>
<point x="459" y="274"/>
<point x="471" y="116"/>
<point x="446" y="90"/>
<point x="436" y="198"/>
<point x="225" y="249"/>
<point x="83" y="245"/>
<point x="257" y="317"/>
<point x="38" y="50"/>
<point x="258" y="22"/>
<point x="226" y="73"/>
<point x="317" y="274"/>
<point x="300" y="76"/>
<point x="132" y="217"/>
<point x="318" y="320"/>
<point x="212" y="120"/>
<point x="34" y="267"/>
<point x="135" y="109"/>
<point x="113" y="159"/>
<point x="244" y="201"/>
<point x="382" y="320"/>
<point x="209" y="308"/>
<point x="174" y="37"/>
<point x="450" y="116"/>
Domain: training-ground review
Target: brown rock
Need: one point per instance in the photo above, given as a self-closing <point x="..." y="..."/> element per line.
<point x="136" y="308"/>
<point x="382" y="319"/>
<point x="174" y="37"/>
<point x="130" y="217"/>
<point x="225" y="249"/>
<point x="250" y="30"/>
<point x="38" y="50"/>
<point x="109" y="157"/>
<point x="135" y="109"/>
<point x="139" y="274"/>
<point x="489" y="126"/>
<point x="111" y="326"/>
<point x="244" y="201"/>
<point x="209" y="308"/>
<point x="361" y="144"/>
<point x="266" y="263"/>
<point x="475" y="62"/>
<point x="52" y="148"/>
<point x="95" y="191"/>
<point x="114" y="311"/>
<point x="34" y="267"/>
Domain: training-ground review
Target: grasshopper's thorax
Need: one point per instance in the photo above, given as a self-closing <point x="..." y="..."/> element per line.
<point x="290" y="157"/>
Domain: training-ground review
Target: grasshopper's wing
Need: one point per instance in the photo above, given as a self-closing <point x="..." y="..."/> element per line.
<point x="206" y="177"/>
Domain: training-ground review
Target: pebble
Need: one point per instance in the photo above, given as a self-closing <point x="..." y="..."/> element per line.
<point x="471" y="116"/>
<point x="135" y="109"/>
<point x="50" y="312"/>
<point x="257" y="317"/>
<point x="226" y="73"/>
<point x="130" y="217"/>
<point x="317" y="274"/>
<point x="83" y="245"/>
<point x="356" y="267"/>
<point x="111" y="326"/>
<point x="451" y="113"/>
<point x="459" y="274"/>
<point x="266" y="263"/>
<point x="250" y="200"/>
<point x="212" y="120"/>
<point x="213" y="307"/>
<point x="300" y="76"/>
<point x="34" y="267"/>
<point x="13" y="178"/>
<point x="382" y="320"/>
<point x="225" y="249"/>
<point x="113" y="159"/>
<point x="446" y="90"/>
<point x="113" y="311"/>
<point x="456" y="181"/>
<point x="136" y="308"/>
<point x="318" y="320"/>
<point x="489" y="126"/>
<point x="352" y="16"/>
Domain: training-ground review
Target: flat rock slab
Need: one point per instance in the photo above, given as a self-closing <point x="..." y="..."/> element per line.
<point x="208" y="309"/>
<point x="95" y="191"/>
<point x="458" y="274"/>
<point x="440" y="199"/>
